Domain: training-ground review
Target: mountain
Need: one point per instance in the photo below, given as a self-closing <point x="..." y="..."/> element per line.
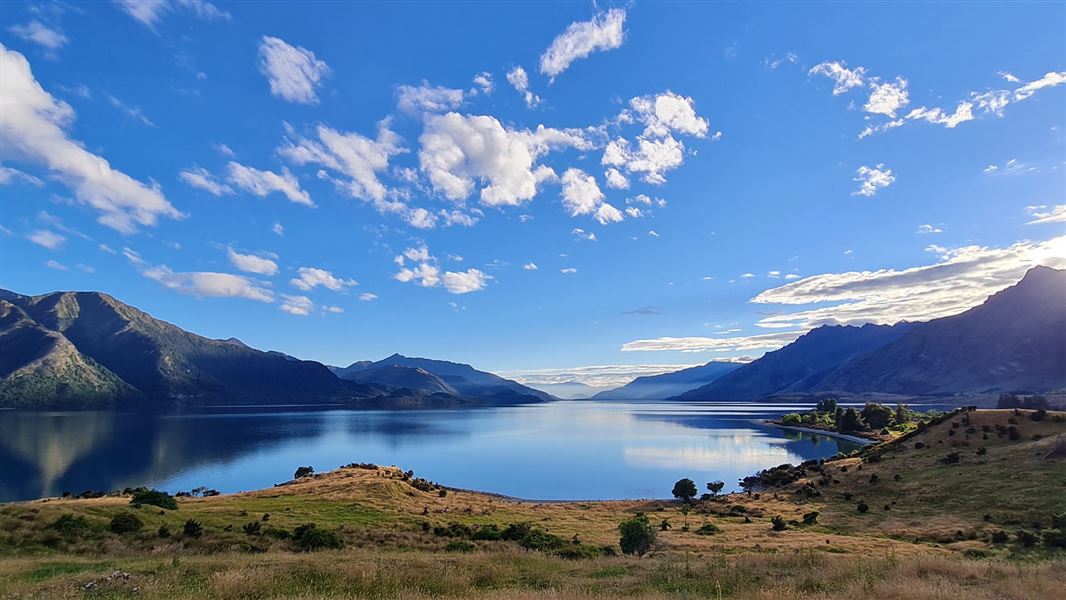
<point x="81" y="349"/>
<point x="1014" y="341"/>
<point x="400" y="377"/>
<point x="801" y="363"/>
<point x="466" y="381"/>
<point x="665" y="385"/>
<point x="568" y="390"/>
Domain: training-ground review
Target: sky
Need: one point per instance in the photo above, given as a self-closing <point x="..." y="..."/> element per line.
<point x="553" y="191"/>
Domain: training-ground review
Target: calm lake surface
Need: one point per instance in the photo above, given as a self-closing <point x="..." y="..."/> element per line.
<point x="555" y="451"/>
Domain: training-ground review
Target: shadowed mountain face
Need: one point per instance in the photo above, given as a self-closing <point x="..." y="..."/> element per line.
<point x="658" y="387"/>
<point x="86" y="349"/>
<point x="1014" y="341"/>
<point x="432" y="376"/>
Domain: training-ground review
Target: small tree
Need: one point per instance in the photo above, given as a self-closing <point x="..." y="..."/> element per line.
<point x="192" y="529"/>
<point x="303" y="472"/>
<point x="849" y="420"/>
<point x="877" y="416"/>
<point x="715" y="487"/>
<point x="154" y="498"/>
<point x="777" y="522"/>
<point x="637" y="535"/>
<point x="685" y="490"/>
<point x="126" y="523"/>
<point x="826" y="405"/>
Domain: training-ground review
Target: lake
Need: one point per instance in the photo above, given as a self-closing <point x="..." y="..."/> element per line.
<point x="554" y="451"/>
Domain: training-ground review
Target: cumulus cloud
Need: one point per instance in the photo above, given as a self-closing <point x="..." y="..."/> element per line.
<point x="582" y="235"/>
<point x="872" y="179"/>
<point x="150" y="12"/>
<point x="415" y="100"/>
<point x="962" y="278"/>
<point x="300" y="306"/>
<point x="368" y="297"/>
<point x="459" y="151"/>
<point x="530" y="266"/>
<point x="888" y="97"/>
<point x="33" y="125"/>
<point x="615" y="179"/>
<point x="604" y="32"/>
<point x="294" y="73"/>
<point x="655" y="150"/>
<point x="519" y="80"/>
<point x="484" y="83"/>
<point x="250" y="263"/>
<point x="465" y="282"/>
<point x="310" y="277"/>
<point x="262" y="183"/>
<point x="568" y="271"/>
<point x="668" y="112"/>
<point x="582" y="196"/>
<point x="843" y="78"/>
<point x="927" y="228"/>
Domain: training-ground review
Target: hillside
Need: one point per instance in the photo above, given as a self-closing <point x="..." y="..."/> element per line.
<point x="799" y="364"/>
<point x="658" y="387"/>
<point x="1014" y="341"/>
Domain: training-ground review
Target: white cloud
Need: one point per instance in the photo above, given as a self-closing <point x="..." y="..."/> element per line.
<point x="936" y="116"/>
<point x="208" y="284"/>
<point x="311" y="277"/>
<point x="54" y="264"/>
<point x="568" y="271"/>
<point x="459" y="151"/>
<point x="293" y="72"/>
<point x="250" y="263"/>
<point x="1040" y="215"/>
<point x="519" y="79"/>
<point x="653" y="233"/>
<point x="652" y="158"/>
<point x="47" y="239"/>
<point x="262" y="183"/>
<point x="872" y="179"/>
<point x="1050" y="79"/>
<point x="886" y="98"/>
<point x="667" y="112"/>
<point x="962" y="278"/>
<point x="133" y="112"/>
<point x="927" y="228"/>
<point x="747" y="275"/>
<point x="765" y="341"/>
<point x="225" y="150"/>
<point x="600" y="376"/>
<point x="530" y="266"/>
<point x="604" y="32"/>
<point x="33" y="124"/>
<point x="151" y="12"/>
<point x="465" y="282"/>
<point x="368" y="297"/>
<point x="360" y="159"/>
<point x="582" y="235"/>
<point x="40" y="34"/>
<point x="200" y="178"/>
<point x="300" y="306"/>
<point x="615" y="179"/>
<point x="484" y="83"/>
<point x="278" y="228"/>
<point x="415" y="100"/>
<point x="844" y="78"/>
<point x="9" y="175"/>
<point x="1009" y="77"/>
<point x="1011" y="167"/>
<point x="582" y="196"/>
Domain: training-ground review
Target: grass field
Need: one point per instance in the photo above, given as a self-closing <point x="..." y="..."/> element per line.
<point x="957" y="510"/>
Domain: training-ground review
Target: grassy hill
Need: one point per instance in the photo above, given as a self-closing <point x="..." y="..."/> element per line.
<point x="407" y="538"/>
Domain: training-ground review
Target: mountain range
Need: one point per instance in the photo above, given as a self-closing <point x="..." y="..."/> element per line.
<point x="1014" y="341"/>
<point x="76" y="350"/>
<point x="665" y="385"/>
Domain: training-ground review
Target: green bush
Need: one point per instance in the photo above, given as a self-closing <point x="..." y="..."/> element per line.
<point x="192" y="529"/>
<point x="164" y="531"/>
<point x="998" y="536"/>
<point x="1027" y="538"/>
<point x="684" y="490"/>
<point x="777" y="522"/>
<point x="637" y="535"/>
<point x="70" y="526"/>
<point x="863" y="507"/>
<point x="154" y="498"/>
<point x="303" y="472"/>
<point x="252" y="528"/>
<point x="1054" y="538"/>
<point x="708" y="529"/>
<point x="309" y="538"/>
<point x="792" y="419"/>
<point x="460" y="546"/>
<point x="126" y="523"/>
<point x="810" y="518"/>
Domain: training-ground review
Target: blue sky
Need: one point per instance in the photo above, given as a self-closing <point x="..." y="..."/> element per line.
<point x="342" y="181"/>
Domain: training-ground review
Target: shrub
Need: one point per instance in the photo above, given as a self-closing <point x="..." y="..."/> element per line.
<point x="1027" y="538"/>
<point x="164" y="531"/>
<point x="863" y="507"/>
<point x="309" y="538"/>
<point x="850" y="420"/>
<point x="951" y="459"/>
<point x="1055" y="538"/>
<point x="810" y="518"/>
<point x="154" y="498"/>
<point x="876" y="415"/>
<point x="70" y="526"/>
<point x="998" y="536"/>
<point x="583" y="551"/>
<point x="192" y="528"/>
<point x="708" y="529"/>
<point x="126" y="523"/>
<point x="777" y="523"/>
<point x="460" y="546"/>
<point x="792" y="419"/>
<point x="715" y="487"/>
<point x="1058" y="521"/>
<point x="637" y="535"/>
<point x="302" y="472"/>
<point x="252" y="528"/>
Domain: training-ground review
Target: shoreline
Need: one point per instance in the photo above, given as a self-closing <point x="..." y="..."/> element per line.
<point x="834" y="434"/>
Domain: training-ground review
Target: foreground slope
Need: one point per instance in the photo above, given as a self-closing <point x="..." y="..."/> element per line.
<point x="938" y="538"/>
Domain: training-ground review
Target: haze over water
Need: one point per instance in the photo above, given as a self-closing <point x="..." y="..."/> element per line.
<point x="554" y="451"/>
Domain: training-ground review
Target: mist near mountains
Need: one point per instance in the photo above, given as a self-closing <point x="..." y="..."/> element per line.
<point x="87" y="350"/>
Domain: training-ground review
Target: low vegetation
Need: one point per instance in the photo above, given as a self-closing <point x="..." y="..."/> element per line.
<point x="895" y="520"/>
<point x="873" y="421"/>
